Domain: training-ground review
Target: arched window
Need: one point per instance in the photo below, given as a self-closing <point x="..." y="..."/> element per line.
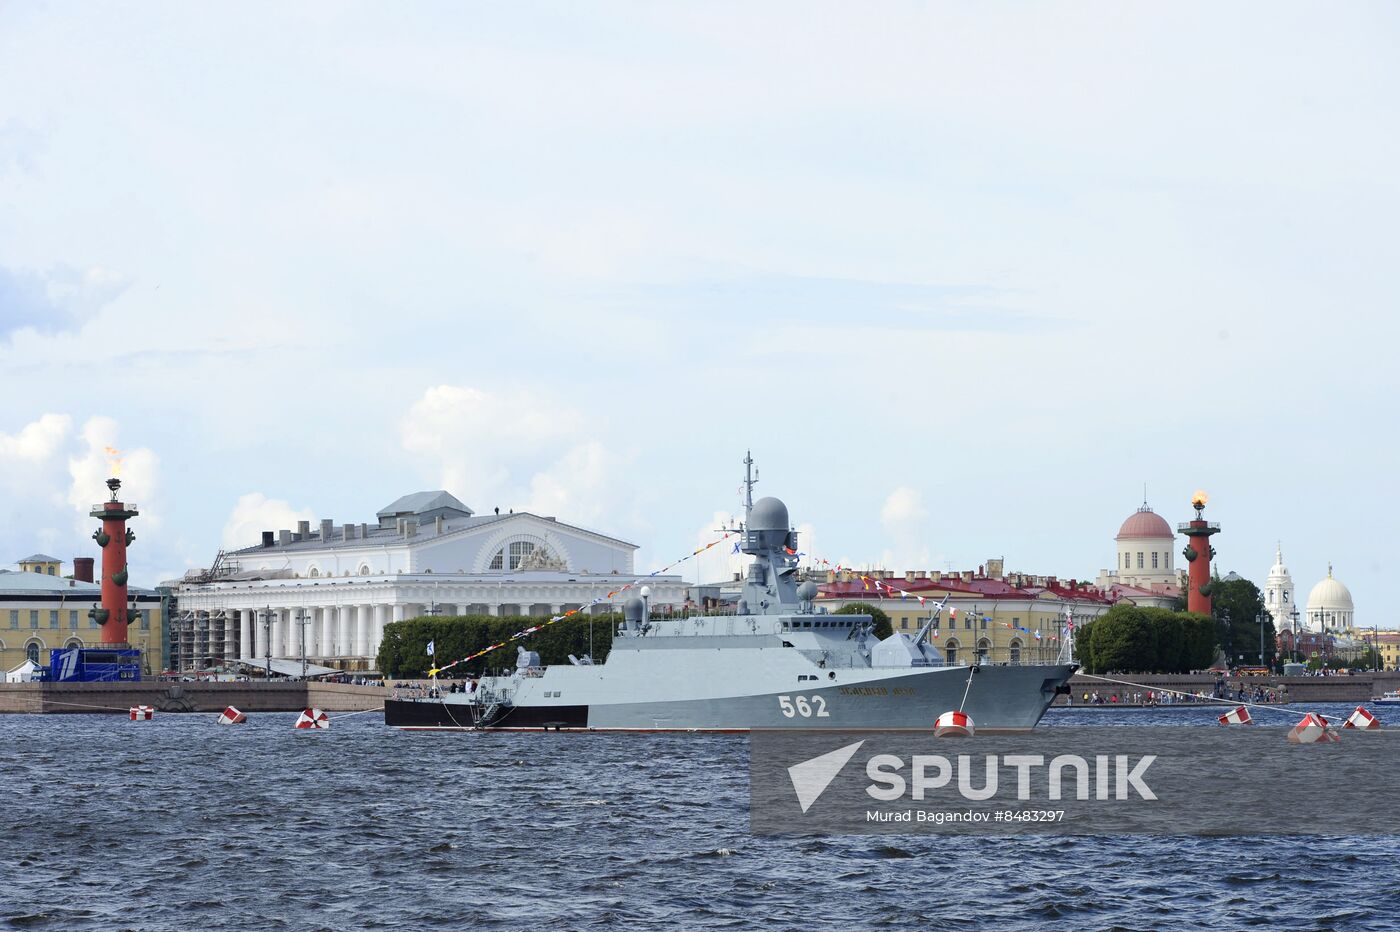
<point x="509" y="556"/>
<point x="313" y="572"/>
<point x="983" y="647"/>
<point x="73" y="642"/>
<point x="364" y="569"/>
<point x="951" y="651"/>
<point x="32" y="652"/>
<point x="1016" y="651"/>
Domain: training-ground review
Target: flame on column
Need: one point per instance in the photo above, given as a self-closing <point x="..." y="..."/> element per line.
<point x="114" y="460"/>
<point x="1199" y="498"/>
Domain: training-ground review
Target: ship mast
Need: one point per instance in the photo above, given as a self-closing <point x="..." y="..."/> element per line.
<point x="750" y="480"/>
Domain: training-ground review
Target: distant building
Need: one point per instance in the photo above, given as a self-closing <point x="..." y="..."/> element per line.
<point x="1330" y="606"/>
<point x="426" y="553"/>
<point x="1143" y="572"/>
<point x="1002" y="617"/>
<point x="40" y="611"/>
<point x="1278" y="594"/>
<point x="41" y="563"/>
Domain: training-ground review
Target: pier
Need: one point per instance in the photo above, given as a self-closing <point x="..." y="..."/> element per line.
<point x="166" y="697"/>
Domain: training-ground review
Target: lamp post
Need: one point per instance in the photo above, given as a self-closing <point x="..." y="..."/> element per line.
<point x="267" y="641"/>
<point x="1294" y="616"/>
<point x="301" y="627"/>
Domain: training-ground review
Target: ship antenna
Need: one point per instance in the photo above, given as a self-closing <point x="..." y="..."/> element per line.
<point x="749" y="482"/>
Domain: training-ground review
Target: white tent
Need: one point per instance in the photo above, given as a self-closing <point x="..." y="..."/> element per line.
<point x="27" y="672"/>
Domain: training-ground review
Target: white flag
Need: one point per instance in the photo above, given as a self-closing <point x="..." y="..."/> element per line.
<point x="430" y="648"/>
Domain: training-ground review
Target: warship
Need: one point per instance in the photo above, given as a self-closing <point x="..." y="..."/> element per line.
<point x="779" y="661"/>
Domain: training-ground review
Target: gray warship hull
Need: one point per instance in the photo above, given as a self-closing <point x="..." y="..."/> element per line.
<point x="999" y="698"/>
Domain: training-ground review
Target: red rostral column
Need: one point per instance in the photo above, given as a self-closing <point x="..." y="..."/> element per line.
<point x="1198" y="554"/>
<point x="113" y="538"/>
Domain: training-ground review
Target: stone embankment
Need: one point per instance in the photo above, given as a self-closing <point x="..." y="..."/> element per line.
<point x="166" y="696"/>
<point x="1359" y="688"/>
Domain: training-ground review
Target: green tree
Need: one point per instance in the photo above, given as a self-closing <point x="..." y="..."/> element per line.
<point x="1084" y="646"/>
<point x="404" y="650"/>
<point x="1237" y="604"/>
<point x="1171" y="639"/>
<point x="1124" y="641"/>
<point x="883" y="627"/>
<point x="1198" y="641"/>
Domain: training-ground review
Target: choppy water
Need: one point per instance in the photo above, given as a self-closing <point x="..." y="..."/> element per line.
<point x="180" y="824"/>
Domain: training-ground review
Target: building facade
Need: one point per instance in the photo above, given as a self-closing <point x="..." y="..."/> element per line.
<point x="1003" y="618"/>
<point x="40" y="611"/>
<point x="337" y="586"/>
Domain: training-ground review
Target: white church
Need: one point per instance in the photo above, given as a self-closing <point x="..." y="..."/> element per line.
<point x="425" y="554"/>
<point x="1329" y="607"/>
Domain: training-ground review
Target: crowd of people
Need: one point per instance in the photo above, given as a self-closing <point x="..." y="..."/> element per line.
<point x="1151" y="697"/>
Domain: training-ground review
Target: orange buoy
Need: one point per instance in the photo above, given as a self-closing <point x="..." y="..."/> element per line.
<point x="232" y="716"/>
<point x="1237" y="716"/>
<point x="312" y="718"/>
<point x="954" y="725"/>
<point x="1313" y="729"/>
<point x="1363" y="719"/>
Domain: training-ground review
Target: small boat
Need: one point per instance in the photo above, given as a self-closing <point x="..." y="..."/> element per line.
<point x="1390" y="698"/>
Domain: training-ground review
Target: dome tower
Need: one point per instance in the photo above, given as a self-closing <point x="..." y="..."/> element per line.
<point x="1329" y="605"/>
<point x="1278" y="593"/>
<point x="1145" y="543"/>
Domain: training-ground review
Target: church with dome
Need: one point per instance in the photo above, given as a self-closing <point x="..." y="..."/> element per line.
<point x="1330" y="607"/>
<point x="1144" y="572"/>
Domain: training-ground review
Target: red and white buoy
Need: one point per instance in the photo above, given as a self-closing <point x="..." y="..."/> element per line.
<point x="232" y="716"/>
<point x="1237" y="716"/>
<point x="313" y="718"/>
<point x="1363" y="719"/>
<point x="953" y="725"/>
<point x="142" y="713"/>
<point x="1313" y="729"/>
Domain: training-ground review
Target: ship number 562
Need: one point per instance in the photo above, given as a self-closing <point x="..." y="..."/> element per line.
<point x="800" y="705"/>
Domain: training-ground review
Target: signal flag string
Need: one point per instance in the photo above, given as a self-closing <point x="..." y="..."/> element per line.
<point x="575" y="611"/>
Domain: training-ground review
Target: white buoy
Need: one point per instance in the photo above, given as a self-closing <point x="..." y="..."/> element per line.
<point x="142" y="713"/>
<point x="1237" y="716"/>
<point x="954" y="725"/>
<point x="232" y="716"/>
<point x="1313" y="729"/>
<point x="1363" y="719"/>
<point x="312" y="718"/>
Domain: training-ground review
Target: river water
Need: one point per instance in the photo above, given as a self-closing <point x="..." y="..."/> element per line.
<point x="180" y="824"/>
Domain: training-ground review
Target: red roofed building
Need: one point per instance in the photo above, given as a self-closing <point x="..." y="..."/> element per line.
<point x="1003" y="617"/>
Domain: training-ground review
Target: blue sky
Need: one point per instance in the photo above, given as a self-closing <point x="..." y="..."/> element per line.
<point x="963" y="276"/>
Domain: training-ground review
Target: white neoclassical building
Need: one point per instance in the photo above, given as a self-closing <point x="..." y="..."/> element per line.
<point x="426" y="553"/>
<point x="1330" y="607"/>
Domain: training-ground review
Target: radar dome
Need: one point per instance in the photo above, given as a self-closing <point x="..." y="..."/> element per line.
<point x="807" y="592"/>
<point x="633" y="609"/>
<point x="769" y="514"/>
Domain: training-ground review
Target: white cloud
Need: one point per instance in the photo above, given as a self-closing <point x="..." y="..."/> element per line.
<point x="37" y="441"/>
<point x="255" y="513"/>
<point x="905" y="521"/>
<point x="523" y="450"/>
<point x="89" y="470"/>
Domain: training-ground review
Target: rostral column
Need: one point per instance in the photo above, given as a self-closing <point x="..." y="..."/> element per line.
<point x="113" y="537"/>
